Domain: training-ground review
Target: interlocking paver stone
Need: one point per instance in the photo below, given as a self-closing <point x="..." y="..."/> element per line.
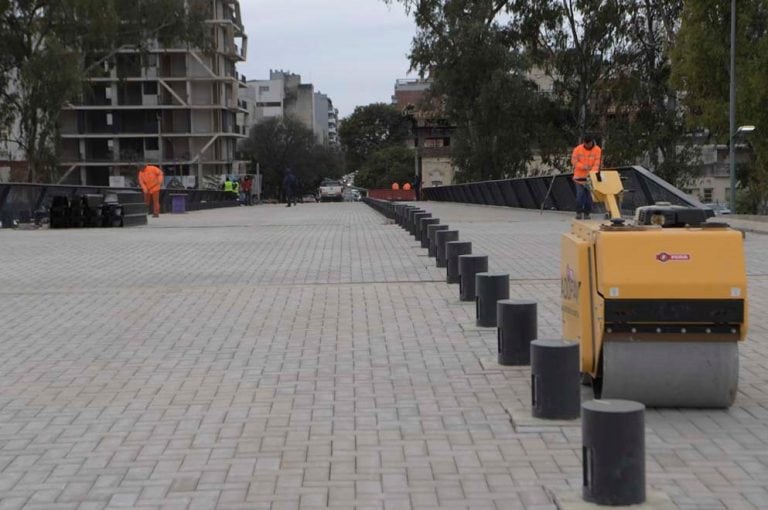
<point x="310" y="357"/>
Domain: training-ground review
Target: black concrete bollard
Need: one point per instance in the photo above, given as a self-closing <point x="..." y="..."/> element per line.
<point x="408" y="217"/>
<point x="421" y="226"/>
<point x="469" y="266"/>
<point x="489" y="289"/>
<point x="453" y="250"/>
<point x="613" y="449"/>
<point x="555" y="380"/>
<point x="406" y="213"/>
<point x="425" y="223"/>
<point x="431" y="241"/>
<point x="417" y="223"/>
<point x="517" y="328"/>
<point x="398" y="212"/>
<point x="442" y="238"/>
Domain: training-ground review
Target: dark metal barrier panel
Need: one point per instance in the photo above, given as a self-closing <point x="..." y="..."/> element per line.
<point x="22" y="202"/>
<point x="558" y="192"/>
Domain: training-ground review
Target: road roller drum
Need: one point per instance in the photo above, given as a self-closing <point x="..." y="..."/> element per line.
<point x="658" y="306"/>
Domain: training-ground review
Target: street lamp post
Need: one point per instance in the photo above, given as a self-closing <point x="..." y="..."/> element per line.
<point x="732" y="159"/>
<point x="732" y="123"/>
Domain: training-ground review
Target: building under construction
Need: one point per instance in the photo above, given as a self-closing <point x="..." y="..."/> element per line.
<point x="177" y="107"/>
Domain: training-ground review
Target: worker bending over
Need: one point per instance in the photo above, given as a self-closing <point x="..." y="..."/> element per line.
<point x="151" y="180"/>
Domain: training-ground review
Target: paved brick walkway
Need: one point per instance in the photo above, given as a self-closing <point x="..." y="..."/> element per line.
<point x="310" y="357"/>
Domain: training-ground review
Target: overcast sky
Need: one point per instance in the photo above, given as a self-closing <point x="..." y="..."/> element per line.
<point x="351" y="50"/>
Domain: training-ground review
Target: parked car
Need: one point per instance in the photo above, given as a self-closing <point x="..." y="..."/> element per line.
<point x="331" y="190"/>
<point x="718" y="209"/>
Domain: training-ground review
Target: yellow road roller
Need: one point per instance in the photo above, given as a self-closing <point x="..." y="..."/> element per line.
<point x="658" y="305"/>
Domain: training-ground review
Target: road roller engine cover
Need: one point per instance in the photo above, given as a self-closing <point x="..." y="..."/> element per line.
<point x="658" y="305"/>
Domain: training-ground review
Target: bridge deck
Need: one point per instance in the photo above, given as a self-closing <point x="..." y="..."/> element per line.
<point x="308" y="357"/>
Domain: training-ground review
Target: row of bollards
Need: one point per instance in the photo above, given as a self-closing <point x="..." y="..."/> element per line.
<point x="613" y="431"/>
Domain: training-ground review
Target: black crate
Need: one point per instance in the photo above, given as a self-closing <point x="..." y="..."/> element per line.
<point x="134" y="220"/>
<point x="130" y="197"/>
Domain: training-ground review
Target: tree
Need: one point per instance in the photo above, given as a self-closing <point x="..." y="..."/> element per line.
<point x="277" y="144"/>
<point x="49" y="47"/>
<point x="369" y="129"/>
<point x="701" y="63"/>
<point x="639" y="104"/>
<point x="574" y="42"/>
<point x="386" y="166"/>
<point x="479" y="75"/>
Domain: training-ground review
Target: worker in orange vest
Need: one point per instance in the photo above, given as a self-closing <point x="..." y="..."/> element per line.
<point x="395" y="186"/>
<point x="407" y="186"/>
<point x="586" y="159"/>
<point x="151" y="180"/>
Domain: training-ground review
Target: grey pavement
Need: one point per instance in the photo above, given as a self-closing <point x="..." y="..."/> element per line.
<point x="311" y="357"/>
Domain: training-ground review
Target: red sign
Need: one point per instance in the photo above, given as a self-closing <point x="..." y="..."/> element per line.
<point x="673" y="257"/>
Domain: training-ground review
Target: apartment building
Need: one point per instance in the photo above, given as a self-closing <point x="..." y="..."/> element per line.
<point x="333" y="125"/>
<point x="284" y="95"/>
<point x="326" y="120"/>
<point x="432" y="136"/>
<point x="176" y="107"/>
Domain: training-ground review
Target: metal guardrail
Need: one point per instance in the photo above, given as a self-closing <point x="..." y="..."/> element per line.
<point x="23" y="202"/>
<point x="642" y="187"/>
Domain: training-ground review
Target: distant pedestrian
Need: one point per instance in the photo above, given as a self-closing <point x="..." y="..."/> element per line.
<point x="247" y="190"/>
<point x="417" y="187"/>
<point x="151" y="181"/>
<point x="290" y="187"/>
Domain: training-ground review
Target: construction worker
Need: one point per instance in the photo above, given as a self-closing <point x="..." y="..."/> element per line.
<point x="236" y="188"/>
<point x="586" y="159"/>
<point x="395" y="186"/>
<point x="407" y="186"/>
<point x="247" y="189"/>
<point x="151" y="180"/>
<point x="228" y="187"/>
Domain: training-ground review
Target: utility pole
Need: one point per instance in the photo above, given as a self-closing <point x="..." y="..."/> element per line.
<point x="732" y="123"/>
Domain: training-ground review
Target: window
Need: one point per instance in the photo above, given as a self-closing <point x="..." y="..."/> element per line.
<point x="263" y="88"/>
<point x="707" y="197"/>
<point x="150" y="60"/>
<point x="110" y="119"/>
<point x="433" y="142"/>
<point x="150" y="88"/>
<point x="265" y="105"/>
<point x="151" y="144"/>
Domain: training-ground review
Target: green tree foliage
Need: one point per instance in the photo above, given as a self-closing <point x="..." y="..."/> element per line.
<point x="479" y="76"/>
<point x="385" y="166"/>
<point x="701" y="63"/>
<point x="639" y="105"/>
<point x="608" y="62"/>
<point x="278" y="144"/>
<point x="49" y="47"/>
<point x="371" y="128"/>
<point x="573" y="41"/>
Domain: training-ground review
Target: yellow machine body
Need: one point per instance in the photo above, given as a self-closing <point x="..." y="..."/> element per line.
<point x="648" y="304"/>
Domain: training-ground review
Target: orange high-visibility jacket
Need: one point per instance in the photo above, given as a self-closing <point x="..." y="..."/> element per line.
<point x="151" y="179"/>
<point x="395" y="186"/>
<point x="407" y="186"/>
<point x="585" y="161"/>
